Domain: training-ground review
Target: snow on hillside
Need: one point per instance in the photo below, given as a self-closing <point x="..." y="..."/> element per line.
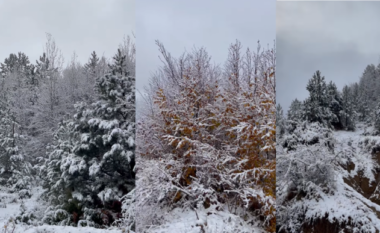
<point x="346" y="200"/>
<point x="349" y="200"/>
<point x="10" y="206"/>
<point x="349" y="149"/>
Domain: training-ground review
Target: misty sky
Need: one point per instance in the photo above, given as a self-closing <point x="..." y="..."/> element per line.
<point x="80" y="26"/>
<point x="212" y="24"/>
<point x="338" y="38"/>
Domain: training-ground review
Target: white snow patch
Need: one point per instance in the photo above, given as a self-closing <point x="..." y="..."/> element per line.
<point x="189" y="221"/>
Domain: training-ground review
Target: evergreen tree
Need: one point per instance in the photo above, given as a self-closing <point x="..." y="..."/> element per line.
<point x="370" y="80"/>
<point x="46" y="109"/>
<point x="92" y="70"/>
<point x="14" y="170"/>
<point x="377" y="119"/>
<point x="7" y="141"/>
<point x="15" y="63"/>
<point x="355" y="95"/>
<point x="44" y="68"/>
<point x="99" y="170"/>
<point x="317" y="106"/>
<point x="295" y="111"/>
<point x="347" y="114"/>
<point x="335" y="104"/>
<point x="18" y="73"/>
<point x="120" y="65"/>
<point x="363" y="106"/>
<point x="51" y="174"/>
<point x="295" y="115"/>
<point x="91" y="65"/>
<point x="367" y="93"/>
<point x="280" y="121"/>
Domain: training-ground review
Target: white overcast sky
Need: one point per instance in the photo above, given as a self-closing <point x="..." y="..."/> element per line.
<point x="81" y="26"/>
<point x="338" y="38"/>
<point x="213" y="24"/>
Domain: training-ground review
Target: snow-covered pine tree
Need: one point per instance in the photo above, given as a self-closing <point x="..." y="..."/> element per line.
<point x="366" y="85"/>
<point x="355" y="94"/>
<point x="44" y="118"/>
<point x="91" y="65"/>
<point x="295" y="110"/>
<point x="347" y="114"/>
<point x="99" y="171"/>
<point x="280" y="121"/>
<point x="17" y="70"/>
<point x="377" y="119"/>
<point x="14" y="170"/>
<point x="15" y="63"/>
<point x="95" y="67"/>
<point x="51" y="174"/>
<point x="91" y="70"/>
<point x="317" y="106"/>
<point x="334" y="100"/>
<point x="17" y="98"/>
<point x="7" y="145"/>
<point x="295" y="115"/>
<point x="370" y="80"/>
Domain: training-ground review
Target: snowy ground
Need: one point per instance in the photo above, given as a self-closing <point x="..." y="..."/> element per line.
<point x="348" y="147"/>
<point x="351" y="199"/>
<point x="179" y="221"/>
<point x="10" y="208"/>
<point x="347" y="201"/>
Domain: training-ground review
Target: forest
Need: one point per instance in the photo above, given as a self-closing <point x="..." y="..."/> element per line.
<point x="206" y="144"/>
<point x="67" y="140"/>
<point x="328" y="157"/>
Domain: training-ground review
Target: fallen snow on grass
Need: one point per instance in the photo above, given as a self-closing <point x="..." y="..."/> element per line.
<point x="61" y="229"/>
<point x="188" y="221"/>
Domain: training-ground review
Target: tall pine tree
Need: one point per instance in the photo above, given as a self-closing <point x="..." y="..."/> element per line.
<point x="347" y="113"/>
<point x="99" y="170"/>
<point x="14" y="170"/>
<point x="280" y="121"/>
<point x="317" y="106"/>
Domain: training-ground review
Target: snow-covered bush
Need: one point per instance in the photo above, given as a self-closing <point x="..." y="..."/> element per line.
<point x="24" y="216"/>
<point x="305" y="133"/>
<point x="370" y="144"/>
<point x="128" y="223"/>
<point x="209" y="139"/>
<point x="305" y="170"/>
